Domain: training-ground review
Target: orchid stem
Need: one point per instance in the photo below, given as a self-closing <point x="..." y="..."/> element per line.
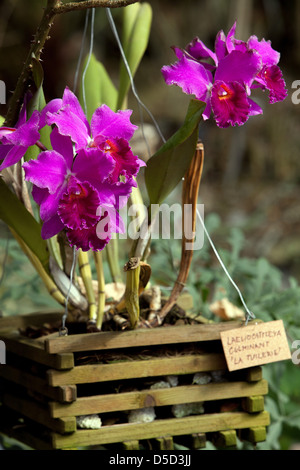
<point x="101" y="287"/>
<point x="86" y="274"/>
<point x="49" y="283"/>
<point x="41" y="146"/>
<point x="132" y="269"/>
<point x="111" y="250"/>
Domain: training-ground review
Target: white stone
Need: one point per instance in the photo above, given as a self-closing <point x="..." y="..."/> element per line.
<point x="89" y="422"/>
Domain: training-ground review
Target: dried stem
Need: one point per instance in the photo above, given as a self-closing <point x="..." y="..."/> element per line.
<point x="190" y="192"/>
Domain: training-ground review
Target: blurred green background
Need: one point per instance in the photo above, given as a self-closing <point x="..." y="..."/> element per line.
<point x="250" y="184"/>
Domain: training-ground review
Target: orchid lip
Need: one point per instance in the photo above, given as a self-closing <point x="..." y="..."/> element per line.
<point x="6" y="131"/>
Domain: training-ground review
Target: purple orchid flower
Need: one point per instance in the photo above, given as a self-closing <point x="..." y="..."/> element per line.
<point x="225" y="85"/>
<point x="109" y="132"/>
<point x="16" y="141"/>
<point x="88" y="176"/>
<point x="74" y="194"/>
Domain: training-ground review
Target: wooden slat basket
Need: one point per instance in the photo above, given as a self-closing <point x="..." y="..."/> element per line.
<point x="139" y="389"/>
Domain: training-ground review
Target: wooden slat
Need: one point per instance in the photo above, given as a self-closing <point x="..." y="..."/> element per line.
<point x="139" y="337"/>
<point x="165" y="427"/>
<point x="34" y="350"/>
<point x="91" y="373"/>
<point x="253" y="404"/>
<point x="254" y="434"/>
<point x="158" y="397"/>
<point x="39" y="414"/>
<point x="225" y="438"/>
<point x="163" y="443"/>
<point x="131" y="445"/>
<point x="37" y="384"/>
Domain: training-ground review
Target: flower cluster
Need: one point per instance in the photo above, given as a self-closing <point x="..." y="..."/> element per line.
<point x="224" y="78"/>
<point x="80" y="182"/>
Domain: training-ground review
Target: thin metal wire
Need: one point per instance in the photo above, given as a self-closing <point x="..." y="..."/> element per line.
<point x="81" y="50"/>
<point x="63" y="329"/>
<point x="133" y="88"/>
<point x="88" y="59"/>
<point x="249" y="313"/>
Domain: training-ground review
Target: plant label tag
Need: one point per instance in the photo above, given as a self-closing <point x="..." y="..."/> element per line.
<point x="255" y="344"/>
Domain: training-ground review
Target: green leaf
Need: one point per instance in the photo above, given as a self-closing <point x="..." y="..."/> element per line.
<point x="137" y="21"/>
<point x="16" y="216"/>
<point x="38" y="99"/>
<point x="168" y="165"/>
<point x="38" y="102"/>
<point x="97" y="88"/>
<point x="2" y="119"/>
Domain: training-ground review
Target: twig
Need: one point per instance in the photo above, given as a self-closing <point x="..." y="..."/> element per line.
<point x="190" y="191"/>
<point x="72" y="6"/>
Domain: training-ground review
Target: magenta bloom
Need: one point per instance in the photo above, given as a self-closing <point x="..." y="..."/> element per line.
<point x="73" y="194"/>
<point x="16" y="141"/>
<point x="87" y="176"/>
<point x="224" y="79"/>
<point x="108" y="132"/>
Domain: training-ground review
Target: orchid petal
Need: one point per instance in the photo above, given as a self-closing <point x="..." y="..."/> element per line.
<point x="110" y="124"/>
<point x="78" y="206"/>
<point x="86" y="239"/>
<point x="239" y="67"/>
<point x="125" y="163"/>
<point x="70" y="125"/>
<point x="51" y="227"/>
<point x="110" y="221"/>
<point x="94" y="166"/>
<point x="268" y="55"/>
<point x="255" y="109"/>
<point x="230" y="104"/>
<point x="63" y="145"/>
<point x="13" y="155"/>
<point x="52" y="107"/>
<point x="48" y="202"/>
<point x="48" y="171"/>
<point x="271" y="78"/>
<point x="27" y="134"/>
<point x="198" y="50"/>
<point x="189" y="75"/>
<point x="220" y="45"/>
<point x="230" y="39"/>
<point x="71" y="103"/>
